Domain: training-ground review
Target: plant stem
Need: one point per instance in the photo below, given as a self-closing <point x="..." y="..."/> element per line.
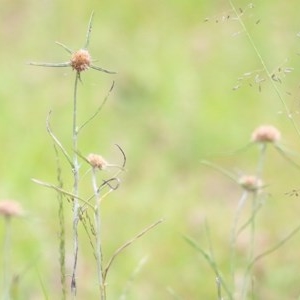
<point x="6" y="258"/>
<point x="255" y="205"/>
<point x="61" y="218"/>
<point x="234" y="235"/>
<point x="76" y="205"/>
<point x="212" y="264"/>
<point x="98" y="250"/>
<point x="287" y="111"/>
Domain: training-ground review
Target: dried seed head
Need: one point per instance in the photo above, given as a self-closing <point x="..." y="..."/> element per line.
<point x="80" y="60"/>
<point x="10" y="208"/>
<point x="250" y="183"/>
<point x="97" y="161"/>
<point x="266" y="134"/>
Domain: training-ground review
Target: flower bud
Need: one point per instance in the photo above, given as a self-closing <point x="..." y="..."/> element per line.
<point x="250" y="183"/>
<point x="97" y="161"/>
<point x="9" y="208"/>
<point x="265" y="134"/>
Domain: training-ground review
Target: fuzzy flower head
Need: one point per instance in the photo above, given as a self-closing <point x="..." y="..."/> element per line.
<point x="80" y="60"/>
<point x="9" y="208"/>
<point x="265" y="134"/>
<point x="250" y="183"/>
<point x="97" y="161"/>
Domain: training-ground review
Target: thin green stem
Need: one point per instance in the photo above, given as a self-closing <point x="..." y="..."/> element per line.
<point x="261" y="161"/>
<point x="253" y="215"/>
<point x="287" y="111"/>
<point x="65" y="47"/>
<point x="128" y="243"/>
<point x="212" y="264"/>
<point x="255" y="204"/>
<point x="271" y="250"/>
<point x="253" y="227"/>
<point x="234" y="235"/>
<point x="52" y="65"/>
<point x="6" y="258"/>
<point x="76" y="205"/>
<point x="274" y="248"/>
<point x="98" y="251"/>
<point x="98" y="109"/>
<point x="57" y="142"/>
<point x="220" y="169"/>
<point x="65" y="193"/>
<point x="211" y="254"/>
<point x="88" y="34"/>
<point x="61" y="218"/>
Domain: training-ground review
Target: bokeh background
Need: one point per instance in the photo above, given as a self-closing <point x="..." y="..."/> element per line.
<point x="172" y="106"/>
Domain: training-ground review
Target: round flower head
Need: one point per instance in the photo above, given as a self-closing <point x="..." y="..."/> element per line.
<point x="265" y="134"/>
<point x="80" y="60"/>
<point x="97" y="161"/>
<point x="250" y="183"/>
<point x="9" y="208"/>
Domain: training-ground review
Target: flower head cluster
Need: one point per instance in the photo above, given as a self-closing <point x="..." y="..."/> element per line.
<point x="97" y="161"/>
<point x="265" y="134"/>
<point x="80" y="60"/>
<point x="9" y="208"/>
<point x="250" y="183"/>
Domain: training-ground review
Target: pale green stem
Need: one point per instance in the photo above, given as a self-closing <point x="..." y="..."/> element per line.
<point x="255" y="204"/>
<point x="234" y="235"/>
<point x="98" y="236"/>
<point x="76" y="205"/>
<point x="6" y="258"/>
<point x="62" y="236"/>
<point x="261" y="161"/>
<point x="212" y="264"/>
<point x="287" y="111"/>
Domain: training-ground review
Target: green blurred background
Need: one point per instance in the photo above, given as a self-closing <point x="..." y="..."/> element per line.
<point x="172" y="106"/>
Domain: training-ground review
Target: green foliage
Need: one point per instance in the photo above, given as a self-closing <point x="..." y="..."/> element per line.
<point x="173" y="105"/>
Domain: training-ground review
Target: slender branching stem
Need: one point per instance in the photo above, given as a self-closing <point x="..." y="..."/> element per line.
<point x="98" y="250"/>
<point x="255" y="205"/>
<point x="57" y="142"/>
<point x="266" y="253"/>
<point x="78" y="65"/>
<point x="266" y="69"/>
<point x="212" y="263"/>
<point x="128" y="243"/>
<point x="98" y="109"/>
<point x="76" y="205"/>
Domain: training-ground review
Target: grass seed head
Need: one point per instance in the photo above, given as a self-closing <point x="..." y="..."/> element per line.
<point x="266" y="134"/>
<point x="81" y="60"/>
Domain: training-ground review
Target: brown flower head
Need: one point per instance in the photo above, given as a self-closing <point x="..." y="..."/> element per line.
<point x="250" y="183"/>
<point x="97" y="161"/>
<point x="266" y="134"/>
<point x="9" y="208"/>
<point x="80" y="60"/>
